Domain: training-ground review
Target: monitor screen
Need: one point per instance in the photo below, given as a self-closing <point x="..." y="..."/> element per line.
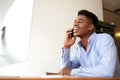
<point x="15" y="29"/>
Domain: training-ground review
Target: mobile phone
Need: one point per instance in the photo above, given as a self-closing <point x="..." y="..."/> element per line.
<point x="72" y="34"/>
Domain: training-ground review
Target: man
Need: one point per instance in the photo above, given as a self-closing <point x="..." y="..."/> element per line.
<point x="95" y="55"/>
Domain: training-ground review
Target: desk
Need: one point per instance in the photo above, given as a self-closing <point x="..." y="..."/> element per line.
<point x="56" y="78"/>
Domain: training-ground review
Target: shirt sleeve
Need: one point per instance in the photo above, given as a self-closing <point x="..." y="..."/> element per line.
<point x="106" y="65"/>
<point x="68" y="60"/>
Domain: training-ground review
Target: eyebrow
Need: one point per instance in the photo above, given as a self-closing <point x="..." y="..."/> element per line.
<point x="79" y="20"/>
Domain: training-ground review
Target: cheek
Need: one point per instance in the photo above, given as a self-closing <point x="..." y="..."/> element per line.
<point x="83" y="30"/>
<point x="80" y="31"/>
<point x="84" y="27"/>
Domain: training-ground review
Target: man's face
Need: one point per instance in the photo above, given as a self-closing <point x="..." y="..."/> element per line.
<point x="82" y="26"/>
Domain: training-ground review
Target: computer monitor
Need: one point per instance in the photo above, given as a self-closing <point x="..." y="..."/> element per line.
<point x="15" y="28"/>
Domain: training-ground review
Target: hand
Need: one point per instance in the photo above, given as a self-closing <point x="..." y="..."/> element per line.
<point x="69" y="40"/>
<point x="65" y="71"/>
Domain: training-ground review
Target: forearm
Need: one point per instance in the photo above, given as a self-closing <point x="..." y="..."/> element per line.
<point x="68" y="60"/>
<point x="66" y="57"/>
<point x="94" y="71"/>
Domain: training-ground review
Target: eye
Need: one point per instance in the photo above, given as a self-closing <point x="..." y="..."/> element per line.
<point x="80" y="21"/>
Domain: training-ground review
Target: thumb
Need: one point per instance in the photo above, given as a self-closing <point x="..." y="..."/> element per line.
<point x="74" y="39"/>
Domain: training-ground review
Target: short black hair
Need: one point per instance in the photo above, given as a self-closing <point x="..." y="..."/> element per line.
<point x="90" y="15"/>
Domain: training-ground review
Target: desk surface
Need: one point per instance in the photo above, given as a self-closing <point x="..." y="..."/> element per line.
<point x="54" y="78"/>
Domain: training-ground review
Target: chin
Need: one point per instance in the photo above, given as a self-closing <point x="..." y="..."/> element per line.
<point x="76" y="35"/>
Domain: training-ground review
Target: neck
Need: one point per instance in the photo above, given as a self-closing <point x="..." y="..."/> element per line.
<point x="84" y="41"/>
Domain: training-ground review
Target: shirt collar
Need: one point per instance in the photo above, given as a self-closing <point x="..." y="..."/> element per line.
<point x="91" y="39"/>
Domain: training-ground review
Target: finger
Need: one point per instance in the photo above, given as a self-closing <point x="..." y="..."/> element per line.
<point x="68" y="34"/>
<point x="74" y="39"/>
<point x="69" y="30"/>
<point x="61" y="72"/>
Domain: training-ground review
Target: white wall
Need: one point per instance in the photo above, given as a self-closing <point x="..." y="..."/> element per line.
<point x="50" y="20"/>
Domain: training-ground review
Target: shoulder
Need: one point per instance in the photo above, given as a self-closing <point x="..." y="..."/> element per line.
<point x="105" y="36"/>
<point x="105" y="39"/>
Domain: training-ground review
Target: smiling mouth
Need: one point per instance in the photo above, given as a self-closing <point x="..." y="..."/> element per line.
<point x="75" y="29"/>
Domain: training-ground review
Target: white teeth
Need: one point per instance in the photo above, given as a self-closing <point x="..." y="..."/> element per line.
<point x="75" y="28"/>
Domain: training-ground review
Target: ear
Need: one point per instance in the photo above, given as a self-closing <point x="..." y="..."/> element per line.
<point x="91" y="27"/>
